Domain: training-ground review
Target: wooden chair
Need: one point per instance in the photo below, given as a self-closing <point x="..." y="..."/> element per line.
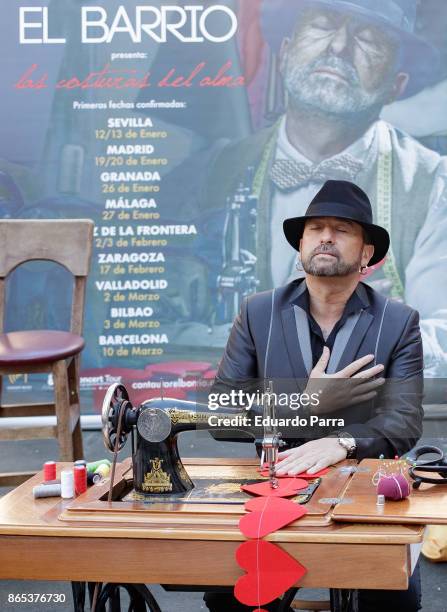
<point x="69" y="243"/>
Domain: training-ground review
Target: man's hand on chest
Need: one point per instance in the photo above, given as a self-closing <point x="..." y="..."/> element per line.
<point x="347" y="387"/>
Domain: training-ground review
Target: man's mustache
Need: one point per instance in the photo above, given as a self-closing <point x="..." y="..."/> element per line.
<point x="345" y="68"/>
<point x="326" y="249"/>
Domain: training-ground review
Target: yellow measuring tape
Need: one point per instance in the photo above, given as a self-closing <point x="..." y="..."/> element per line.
<point x="384" y="203"/>
<point x="261" y="170"/>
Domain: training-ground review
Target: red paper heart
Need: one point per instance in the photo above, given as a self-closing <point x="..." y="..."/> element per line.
<point x="270" y="572"/>
<point x="286" y="487"/>
<point x="268" y="514"/>
<point x="257" y="504"/>
<point x="305" y="475"/>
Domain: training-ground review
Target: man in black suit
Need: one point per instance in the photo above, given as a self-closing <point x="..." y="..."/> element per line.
<point x="329" y="332"/>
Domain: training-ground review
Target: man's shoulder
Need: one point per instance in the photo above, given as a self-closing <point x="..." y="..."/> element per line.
<point x="393" y="309"/>
<point x="406" y="146"/>
<point x="233" y="165"/>
<point x="247" y="150"/>
<point x="279" y="297"/>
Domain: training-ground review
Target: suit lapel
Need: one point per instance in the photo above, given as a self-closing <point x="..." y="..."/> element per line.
<point x="341" y="340"/>
<point x="303" y="332"/>
<point x="352" y="337"/>
<point x="294" y="342"/>
<point x="348" y="340"/>
<point x="295" y="328"/>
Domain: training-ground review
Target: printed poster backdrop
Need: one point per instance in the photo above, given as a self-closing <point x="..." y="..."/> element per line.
<point x="188" y="132"/>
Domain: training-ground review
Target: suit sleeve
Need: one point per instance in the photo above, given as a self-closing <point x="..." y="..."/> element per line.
<point x="239" y="363"/>
<point x="396" y="424"/>
<point x="237" y="370"/>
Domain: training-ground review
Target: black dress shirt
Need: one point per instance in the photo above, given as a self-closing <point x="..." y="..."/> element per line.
<point x="317" y="341"/>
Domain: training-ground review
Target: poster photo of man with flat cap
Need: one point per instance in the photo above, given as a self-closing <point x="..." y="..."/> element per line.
<point x="326" y="71"/>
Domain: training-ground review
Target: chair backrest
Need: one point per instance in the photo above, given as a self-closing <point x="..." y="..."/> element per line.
<point x="67" y="242"/>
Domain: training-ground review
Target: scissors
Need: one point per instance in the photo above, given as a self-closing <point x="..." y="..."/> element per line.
<point x="438" y="465"/>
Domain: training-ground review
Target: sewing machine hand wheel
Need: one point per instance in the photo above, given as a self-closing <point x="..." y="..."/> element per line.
<point x="114" y="399"/>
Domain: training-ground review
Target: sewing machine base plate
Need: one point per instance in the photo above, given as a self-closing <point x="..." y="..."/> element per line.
<point x="216" y="491"/>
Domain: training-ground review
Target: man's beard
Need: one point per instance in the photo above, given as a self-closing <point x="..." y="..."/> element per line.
<point x="317" y="92"/>
<point x="334" y="267"/>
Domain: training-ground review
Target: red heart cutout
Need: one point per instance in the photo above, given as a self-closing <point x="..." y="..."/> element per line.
<point x="318" y="474"/>
<point x="258" y="504"/>
<point x="268" y="514"/>
<point x="286" y="488"/>
<point x="270" y="572"/>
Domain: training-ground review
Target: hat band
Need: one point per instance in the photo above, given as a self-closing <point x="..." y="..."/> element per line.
<point x="341" y="211"/>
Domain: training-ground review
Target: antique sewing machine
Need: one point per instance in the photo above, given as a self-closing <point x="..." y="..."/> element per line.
<point x="237" y="278"/>
<point x="154" y="427"/>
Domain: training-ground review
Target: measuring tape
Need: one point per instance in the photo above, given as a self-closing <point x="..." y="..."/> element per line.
<point x="384" y="202"/>
<point x="261" y="171"/>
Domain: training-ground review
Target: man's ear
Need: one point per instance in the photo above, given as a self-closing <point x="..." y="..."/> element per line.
<point x="400" y="85"/>
<point x="283" y="53"/>
<point x="368" y="252"/>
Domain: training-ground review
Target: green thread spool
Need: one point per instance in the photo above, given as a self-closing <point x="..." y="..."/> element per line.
<point x="103" y="469"/>
<point x="91" y="467"/>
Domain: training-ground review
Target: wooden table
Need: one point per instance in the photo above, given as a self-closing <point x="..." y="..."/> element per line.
<point x="195" y="546"/>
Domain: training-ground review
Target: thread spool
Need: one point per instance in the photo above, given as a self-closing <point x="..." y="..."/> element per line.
<point x="103" y="470"/>
<point x="92" y="465"/>
<point x="80" y="462"/>
<point x="80" y="479"/>
<point x="47" y="490"/>
<point x="67" y="484"/>
<point x="49" y="470"/>
<point x="93" y="478"/>
<point x="394" y="487"/>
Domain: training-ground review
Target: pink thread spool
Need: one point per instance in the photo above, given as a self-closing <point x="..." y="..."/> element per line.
<point x="394" y="487"/>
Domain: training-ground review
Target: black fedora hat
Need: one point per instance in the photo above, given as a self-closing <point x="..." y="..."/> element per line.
<point x="343" y="200"/>
<point x="417" y="57"/>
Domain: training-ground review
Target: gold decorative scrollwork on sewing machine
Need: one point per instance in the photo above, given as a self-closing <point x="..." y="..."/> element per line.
<point x="157" y="481"/>
<point x="180" y="416"/>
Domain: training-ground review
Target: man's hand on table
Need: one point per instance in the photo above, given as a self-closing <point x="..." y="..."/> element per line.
<point x="311" y="456"/>
<point x="348" y="387"/>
